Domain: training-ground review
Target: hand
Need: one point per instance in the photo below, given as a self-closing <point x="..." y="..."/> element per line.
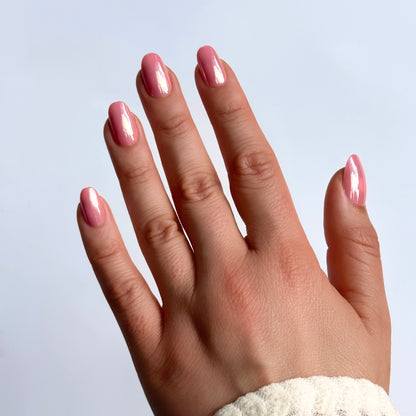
<point x="238" y="312"/>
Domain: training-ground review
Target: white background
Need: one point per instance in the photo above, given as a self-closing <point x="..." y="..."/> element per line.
<point x="325" y="79"/>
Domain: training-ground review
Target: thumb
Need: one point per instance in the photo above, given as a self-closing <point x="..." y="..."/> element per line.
<point x="353" y="256"/>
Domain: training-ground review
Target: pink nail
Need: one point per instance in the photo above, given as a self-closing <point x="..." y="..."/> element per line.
<point x="155" y="76"/>
<point x="123" y="127"/>
<point x="353" y="181"/>
<point x="92" y="207"/>
<point x="210" y="67"/>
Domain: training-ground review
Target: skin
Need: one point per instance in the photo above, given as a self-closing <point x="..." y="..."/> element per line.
<point x="239" y="312"/>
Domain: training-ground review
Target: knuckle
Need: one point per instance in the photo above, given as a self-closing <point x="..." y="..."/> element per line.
<point x="105" y="254"/>
<point x="239" y="290"/>
<point x="197" y="187"/>
<point x="257" y="166"/>
<point x="160" y="230"/>
<point x="137" y="174"/>
<point x="296" y="270"/>
<point x="123" y="295"/>
<point x="232" y="111"/>
<point x="240" y="295"/>
<point x="365" y="239"/>
<point x="175" y="125"/>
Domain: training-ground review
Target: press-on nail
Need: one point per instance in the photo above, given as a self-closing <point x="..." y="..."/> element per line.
<point x="155" y="76"/>
<point x="92" y="207"/>
<point x="353" y="181"/>
<point x="210" y="67"/>
<point x="123" y="127"/>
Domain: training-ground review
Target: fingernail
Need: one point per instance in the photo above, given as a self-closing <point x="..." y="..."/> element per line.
<point x="92" y="207"/>
<point x="210" y="67"/>
<point x="155" y="76"/>
<point x="353" y="181"/>
<point x="123" y="127"/>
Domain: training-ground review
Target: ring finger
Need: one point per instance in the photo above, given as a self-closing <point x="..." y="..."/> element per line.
<point x="158" y="230"/>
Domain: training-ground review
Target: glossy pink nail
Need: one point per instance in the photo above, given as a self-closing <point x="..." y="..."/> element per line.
<point x="210" y="67"/>
<point x="92" y="207"/>
<point x="155" y="76"/>
<point x="353" y="181"/>
<point x="123" y="127"/>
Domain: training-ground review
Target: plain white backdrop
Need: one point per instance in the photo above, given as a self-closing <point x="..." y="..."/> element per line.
<point x="325" y="78"/>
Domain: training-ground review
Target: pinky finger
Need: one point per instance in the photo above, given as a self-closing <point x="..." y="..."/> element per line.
<point x="136" y="309"/>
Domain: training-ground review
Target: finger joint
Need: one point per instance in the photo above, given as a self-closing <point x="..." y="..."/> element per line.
<point x="197" y="187"/>
<point x="253" y="168"/>
<point x="137" y="174"/>
<point x="176" y="125"/>
<point x="160" y="230"/>
<point x="124" y="294"/>
<point x="105" y="254"/>
<point x="366" y="239"/>
<point x="232" y="111"/>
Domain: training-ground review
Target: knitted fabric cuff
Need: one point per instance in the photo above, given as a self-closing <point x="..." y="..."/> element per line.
<point x="314" y="396"/>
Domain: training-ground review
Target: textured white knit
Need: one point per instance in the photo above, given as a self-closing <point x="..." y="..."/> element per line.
<point x="314" y="396"/>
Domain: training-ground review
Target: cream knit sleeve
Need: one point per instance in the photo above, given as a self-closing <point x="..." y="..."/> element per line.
<point x="314" y="396"/>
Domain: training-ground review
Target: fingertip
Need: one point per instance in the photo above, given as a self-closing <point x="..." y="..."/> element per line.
<point x="92" y="207"/>
<point x="155" y="76"/>
<point x="354" y="182"/>
<point x="211" y="67"/>
<point x="115" y="106"/>
<point x="344" y="205"/>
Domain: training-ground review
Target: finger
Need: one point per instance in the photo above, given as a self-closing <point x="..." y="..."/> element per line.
<point x="353" y="257"/>
<point x="257" y="184"/>
<point x="134" y="306"/>
<point x="196" y="189"/>
<point x="158" y="230"/>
